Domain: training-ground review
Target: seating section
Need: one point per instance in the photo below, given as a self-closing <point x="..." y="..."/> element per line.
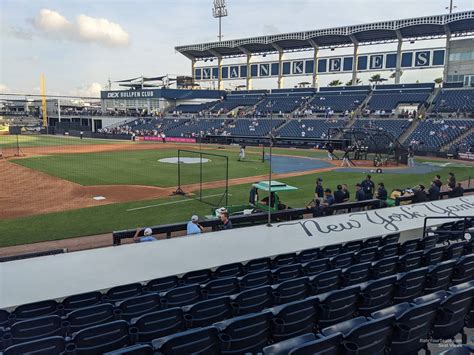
<point x="360" y="297"/>
<point x="233" y="101"/>
<point x="196" y="126"/>
<point x="338" y="101"/>
<point x="394" y="127"/>
<point x="388" y="100"/>
<point x="195" y="108"/>
<point x="284" y="103"/>
<point x="310" y="128"/>
<point x="253" y="127"/>
<point x="454" y="100"/>
<point x="435" y="133"/>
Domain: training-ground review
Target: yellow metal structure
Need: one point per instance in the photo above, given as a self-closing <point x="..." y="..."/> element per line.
<point x="43" y="102"/>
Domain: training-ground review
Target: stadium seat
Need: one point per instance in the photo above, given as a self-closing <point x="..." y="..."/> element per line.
<point x="204" y="313"/>
<point x="454" y="251"/>
<point x="458" y="350"/>
<point x="256" y="279"/>
<point x="408" y="246"/>
<point x="316" y="266"/>
<point x="322" y="345"/>
<point x="410" y="285"/>
<point x="337" y="306"/>
<point x="341" y="260"/>
<point x="37" y="309"/>
<point x="351" y="247"/>
<point x="285" y="346"/>
<point x="136" y="306"/>
<point x="363" y="335"/>
<point x="82" y="300"/>
<point x="37" y="328"/>
<point x="325" y="281"/>
<point x="50" y="345"/>
<point x="463" y="270"/>
<point x="410" y="261"/>
<point x="439" y="276"/>
<point x="122" y="292"/>
<point x="258" y="265"/>
<point x="330" y="250"/>
<point x="308" y="255"/>
<point x="100" y="338"/>
<point x="412" y="323"/>
<point x="387" y="251"/>
<point x="293" y="319"/>
<point x="5" y="318"/>
<point x="427" y="242"/>
<point x="181" y="296"/>
<point x="376" y="294"/>
<point x="139" y="349"/>
<point x="253" y="300"/>
<point x="287" y="272"/>
<point x="372" y="242"/>
<point x="230" y="270"/>
<point x="163" y="284"/>
<point x="89" y="316"/>
<point x="432" y="256"/>
<point x="157" y="324"/>
<point x="220" y="287"/>
<point x="195" y="341"/>
<point x="291" y="290"/>
<point x="283" y="259"/>
<point x="365" y="255"/>
<point x="245" y="334"/>
<point x="385" y="267"/>
<point x="196" y="277"/>
<point x="355" y="274"/>
<point x="462" y="287"/>
<point x="390" y="239"/>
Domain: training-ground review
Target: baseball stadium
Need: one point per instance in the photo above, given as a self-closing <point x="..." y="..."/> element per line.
<point x="306" y="192"/>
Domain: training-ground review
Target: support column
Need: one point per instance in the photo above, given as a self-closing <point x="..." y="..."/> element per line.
<point x="398" y="65"/>
<point x="248" y="78"/>
<point x="446" y="53"/>
<point x="193" y="71"/>
<point x="315" y="65"/>
<point x="280" y="65"/>
<point x="355" y="57"/>
<point x="219" y="69"/>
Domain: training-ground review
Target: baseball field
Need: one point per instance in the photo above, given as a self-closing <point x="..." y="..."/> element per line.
<point x="61" y="187"/>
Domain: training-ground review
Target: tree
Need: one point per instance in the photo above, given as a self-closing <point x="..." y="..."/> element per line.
<point x="377" y="78"/>
<point x="335" y="83"/>
<point x="438" y="81"/>
<point x="358" y="81"/>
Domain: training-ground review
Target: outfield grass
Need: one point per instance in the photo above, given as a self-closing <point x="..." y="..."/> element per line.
<point x="104" y="219"/>
<point x="24" y="141"/>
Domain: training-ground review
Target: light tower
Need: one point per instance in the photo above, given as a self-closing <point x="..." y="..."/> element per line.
<point x="219" y="11"/>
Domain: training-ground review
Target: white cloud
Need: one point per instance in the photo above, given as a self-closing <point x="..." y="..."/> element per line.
<point x="83" y="29"/>
<point x="4" y="88"/>
<point x="91" y="90"/>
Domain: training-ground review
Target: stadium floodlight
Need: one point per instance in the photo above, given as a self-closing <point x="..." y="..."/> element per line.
<point x="451" y="7"/>
<point x="219" y="11"/>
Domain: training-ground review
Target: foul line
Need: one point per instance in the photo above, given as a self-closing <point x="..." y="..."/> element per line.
<point x="169" y="203"/>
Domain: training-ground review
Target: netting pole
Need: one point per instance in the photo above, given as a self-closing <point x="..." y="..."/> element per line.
<point x="227" y="182"/>
<point x="200" y="176"/>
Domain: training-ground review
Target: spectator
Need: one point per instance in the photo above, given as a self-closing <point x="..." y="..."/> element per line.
<point x="328" y="198"/>
<point x="347" y="194"/>
<point x="227" y="224"/>
<point x="437" y="181"/>
<point x="315" y="206"/>
<point x="339" y="195"/>
<point x="147" y="235"/>
<point x="451" y="182"/>
<point x="434" y="190"/>
<point x="382" y="192"/>
<point x="194" y="227"/>
<point x="360" y="195"/>
<point x="411" y="157"/>
<point x="253" y="196"/>
<point x="458" y="191"/>
<point x="368" y="186"/>
<point x="319" y="190"/>
<point x="420" y="195"/>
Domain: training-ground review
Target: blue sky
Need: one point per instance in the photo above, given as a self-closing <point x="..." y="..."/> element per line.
<point x="66" y="41"/>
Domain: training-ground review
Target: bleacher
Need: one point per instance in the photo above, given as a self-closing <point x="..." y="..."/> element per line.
<point x="388" y="97"/>
<point x="155" y="123"/>
<point x="233" y="101"/>
<point x="194" y="108"/>
<point x="435" y="133"/>
<point x="197" y="126"/>
<point x="395" y="127"/>
<point x="369" y="296"/>
<point x="310" y="128"/>
<point x="454" y="100"/>
<point x="284" y="101"/>
<point x="253" y="127"/>
<point x="338" y="101"/>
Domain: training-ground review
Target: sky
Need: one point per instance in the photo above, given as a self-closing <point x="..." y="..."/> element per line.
<point x="79" y="44"/>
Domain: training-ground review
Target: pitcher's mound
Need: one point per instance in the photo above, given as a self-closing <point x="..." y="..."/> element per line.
<point x="184" y="160"/>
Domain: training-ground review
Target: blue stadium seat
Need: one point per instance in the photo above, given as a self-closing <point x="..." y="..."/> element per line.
<point x="460" y="288"/>
<point x="376" y="294"/>
<point x="163" y="284"/>
<point x="454" y="251"/>
<point x="181" y="296"/>
<point x="463" y="270"/>
<point x="452" y="100"/>
<point x="220" y="287"/>
<point x="50" y="345"/>
<point x="37" y="309"/>
<point x="308" y="255"/>
<point x="157" y="324"/>
<point x="365" y="255"/>
<point x="352" y="247"/>
<point x="387" y="251"/>
<point x="341" y="261"/>
<point x="410" y="261"/>
<point x="291" y="290"/>
<point x="408" y="246"/>
<point x="432" y="256"/>
<point x="5" y="318"/>
<point x="244" y="334"/>
<point x="202" y="341"/>
<point x="37" y="328"/>
<point x="82" y="300"/>
<point x="363" y="335"/>
<point x="139" y="349"/>
<point x="196" y="277"/>
<point x="258" y="265"/>
<point x="390" y="239"/>
<point x="458" y="350"/>
<point x="322" y="345"/>
<point x="427" y="242"/>
<point x="410" y="285"/>
<point x="284" y="259"/>
<point x="385" y="267"/>
<point x="316" y="266"/>
<point x="253" y="300"/>
<point x="122" y="292"/>
<point x="90" y="316"/>
<point x="337" y="306"/>
<point x="439" y="276"/>
<point x="325" y="281"/>
<point x="204" y="313"/>
<point x="413" y="322"/>
<point x="293" y="319"/>
<point x="330" y="250"/>
<point x="230" y="270"/>
<point x="285" y="346"/>
<point x="136" y="306"/>
<point x="355" y="274"/>
<point x="372" y="242"/>
<point x="256" y="279"/>
<point x="287" y="272"/>
<point x="100" y="338"/>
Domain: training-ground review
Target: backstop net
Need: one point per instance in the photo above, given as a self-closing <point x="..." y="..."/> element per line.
<point x="204" y="177"/>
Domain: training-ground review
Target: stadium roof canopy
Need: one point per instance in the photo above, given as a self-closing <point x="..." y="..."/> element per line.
<point x="429" y="27"/>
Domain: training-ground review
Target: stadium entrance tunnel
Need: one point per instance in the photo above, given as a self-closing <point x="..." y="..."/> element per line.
<point x="184" y="160"/>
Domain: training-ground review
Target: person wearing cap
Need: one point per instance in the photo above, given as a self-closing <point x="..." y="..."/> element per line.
<point x="193" y="226"/>
<point x="319" y="190"/>
<point x="147" y="235"/>
<point x="360" y="195"/>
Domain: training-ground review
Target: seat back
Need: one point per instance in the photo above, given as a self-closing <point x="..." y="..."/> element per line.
<point x="256" y="279"/>
<point x="90" y="316"/>
<point x="139" y="349"/>
<point x="454" y="251"/>
<point x="181" y="296"/>
<point x="291" y="290"/>
<point x="157" y="324"/>
<point x="337" y="306"/>
<point x="204" y="313"/>
<point x="82" y="300"/>
<point x="376" y="294"/>
<point x="258" y="265"/>
<point x="330" y="251"/>
<point x="196" y="277"/>
<point x="221" y="287"/>
<point x="341" y="261"/>
<point x="136" y="306"/>
<point x="366" y="255"/>
<point x="315" y="267"/>
<point x="37" y="309"/>
<point x="122" y="292"/>
<point x="439" y="276"/>
<point x="330" y="345"/>
<point x="410" y="285"/>
<point x="464" y="269"/>
<point x="287" y="272"/>
<point x="352" y="247"/>
<point x="162" y="284"/>
<point x="385" y="267"/>
<point x="410" y="261"/>
<point x="284" y="346"/>
<point x="253" y="300"/>
<point x="203" y="341"/>
<point x="408" y="246"/>
<point x="432" y="256"/>
<point x="309" y="255"/>
<point x="230" y="270"/>
<point x="325" y="281"/>
<point x="293" y="319"/>
<point x="387" y="251"/>
<point x="36" y="328"/>
<point x="356" y="274"/>
<point x="284" y="259"/>
<point x="50" y="345"/>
